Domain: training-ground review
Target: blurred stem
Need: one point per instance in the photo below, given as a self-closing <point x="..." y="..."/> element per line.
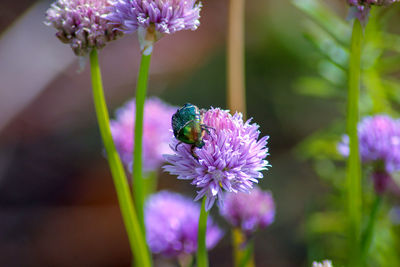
<point x="137" y="175"/>
<point x="369" y="231"/>
<point x="377" y="92"/>
<point x="236" y="92"/>
<point x="243" y="256"/>
<point x="132" y="226"/>
<point x="149" y="183"/>
<point x="202" y="257"/>
<point x="354" y="192"/>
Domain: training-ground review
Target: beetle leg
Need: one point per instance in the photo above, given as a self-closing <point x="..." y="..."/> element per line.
<point x="194" y="154"/>
<point x="176" y="147"/>
<point x="207" y="128"/>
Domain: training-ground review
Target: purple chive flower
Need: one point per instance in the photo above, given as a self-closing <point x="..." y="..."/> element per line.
<point x="325" y="263"/>
<point x="153" y="18"/>
<point x="167" y="16"/>
<point x="171" y="225"/>
<point x="231" y="159"/>
<point x="249" y="211"/>
<point x="379" y="141"/>
<point x="156" y="132"/>
<point x="360" y="8"/>
<point x="81" y="24"/>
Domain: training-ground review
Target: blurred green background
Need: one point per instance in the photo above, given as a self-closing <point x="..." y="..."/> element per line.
<point x="57" y="202"/>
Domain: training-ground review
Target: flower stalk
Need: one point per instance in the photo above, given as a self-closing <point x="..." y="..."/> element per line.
<point x="353" y="172"/>
<point x="369" y="231"/>
<point x="236" y="92"/>
<point x="150" y="183"/>
<point x="202" y="257"/>
<point x="137" y="173"/>
<point x="132" y="226"/>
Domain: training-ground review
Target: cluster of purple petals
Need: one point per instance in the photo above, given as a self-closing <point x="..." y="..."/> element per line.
<point x="156" y="132"/>
<point x="81" y="24"/>
<point x="167" y="16"/>
<point x="249" y="211"/>
<point x="361" y="8"/>
<point x="379" y="143"/>
<point x="231" y="159"/>
<point x="171" y="225"/>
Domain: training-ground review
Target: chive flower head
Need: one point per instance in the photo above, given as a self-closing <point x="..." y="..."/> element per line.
<point x="360" y="8"/>
<point x="249" y="211"/>
<point x="154" y="18"/>
<point x="171" y="222"/>
<point x="156" y="132"/>
<point x="379" y="144"/>
<point x="167" y="16"/>
<point x="82" y="24"/>
<point x="231" y="159"/>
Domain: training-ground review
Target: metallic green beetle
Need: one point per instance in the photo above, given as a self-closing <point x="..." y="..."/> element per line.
<point x="188" y="127"/>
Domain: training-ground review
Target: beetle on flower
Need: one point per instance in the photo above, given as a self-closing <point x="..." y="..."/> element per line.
<point x="188" y="127"/>
<point x="231" y="159"/>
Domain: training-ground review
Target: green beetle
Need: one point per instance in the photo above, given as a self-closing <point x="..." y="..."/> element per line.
<point x="188" y="127"/>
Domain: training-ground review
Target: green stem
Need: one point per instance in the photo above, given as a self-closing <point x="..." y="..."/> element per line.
<point x="202" y="257"/>
<point x="137" y="176"/>
<point x="248" y="255"/>
<point x="369" y="231"/>
<point x="354" y="192"/>
<point x="135" y="235"/>
<point x="150" y="183"/>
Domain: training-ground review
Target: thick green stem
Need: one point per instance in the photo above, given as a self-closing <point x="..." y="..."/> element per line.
<point x="202" y="257"/>
<point x="137" y="175"/>
<point x="354" y="190"/>
<point x="135" y="235"/>
<point x="369" y="231"/>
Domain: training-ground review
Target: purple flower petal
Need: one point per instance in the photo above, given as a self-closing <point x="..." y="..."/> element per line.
<point x="171" y="225"/>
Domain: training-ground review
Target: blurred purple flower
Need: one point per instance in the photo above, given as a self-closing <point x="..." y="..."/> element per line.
<point x="379" y="141"/>
<point x="156" y="132"/>
<point x="360" y="8"/>
<point x="249" y="211"/>
<point x="81" y="24"/>
<point x="168" y="16"/>
<point x="325" y="263"/>
<point x="231" y="159"/>
<point x="171" y="225"/>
